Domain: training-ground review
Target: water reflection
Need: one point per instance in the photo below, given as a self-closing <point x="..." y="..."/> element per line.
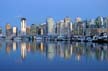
<point x="8" y="47"/>
<point x="23" y="50"/>
<point x="14" y="46"/>
<point x="64" y="50"/>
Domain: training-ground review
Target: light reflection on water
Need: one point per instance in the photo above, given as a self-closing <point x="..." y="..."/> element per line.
<point x="45" y="54"/>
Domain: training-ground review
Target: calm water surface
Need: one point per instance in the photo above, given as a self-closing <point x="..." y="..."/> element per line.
<point x="56" y="56"/>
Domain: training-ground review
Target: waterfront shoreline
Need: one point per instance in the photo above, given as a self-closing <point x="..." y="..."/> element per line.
<point x="72" y="39"/>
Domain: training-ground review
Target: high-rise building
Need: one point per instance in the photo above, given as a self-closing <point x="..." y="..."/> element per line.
<point x="28" y="32"/>
<point x="91" y="27"/>
<point x="43" y="29"/>
<point x="38" y="29"/>
<point x="102" y="21"/>
<point x="99" y="22"/>
<point x="0" y="30"/>
<point x="71" y="28"/>
<point x="23" y="26"/>
<point x="78" y="26"/>
<point x="33" y="29"/>
<point x="60" y="28"/>
<point x="106" y="24"/>
<point x="8" y="26"/>
<point x="67" y="26"/>
<point x="15" y="31"/>
<point x="8" y="30"/>
<point x="57" y="29"/>
<point x="78" y="19"/>
<point x="50" y="26"/>
<point x="64" y="27"/>
<point x="91" y="22"/>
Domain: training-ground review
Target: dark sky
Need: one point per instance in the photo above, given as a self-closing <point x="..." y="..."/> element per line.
<point x="36" y="11"/>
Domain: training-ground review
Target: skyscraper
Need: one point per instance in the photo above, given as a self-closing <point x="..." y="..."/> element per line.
<point x="43" y="28"/>
<point x="67" y="26"/>
<point x="99" y="22"/>
<point x="8" y="26"/>
<point x="23" y="26"/>
<point x="78" y="26"/>
<point x="105" y="21"/>
<point x="78" y="19"/>
<point x="33" y="29"/>
<point x="28" y="32"/>
<point x="50" y="26"/>
<point x="8" y="30"/>
<point x="0" y="30"/>
<point x="60" y="28"/>
<point x="15" y="31"/>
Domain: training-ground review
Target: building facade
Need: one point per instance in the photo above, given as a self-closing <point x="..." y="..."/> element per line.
<point x="50" y="26"/>
<point x="8" y="30"/>
<point x="23" y="26"/>
<point x="33" y="29"/>
<point x="15" y="31"/>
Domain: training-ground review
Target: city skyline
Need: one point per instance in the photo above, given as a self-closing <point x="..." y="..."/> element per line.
<point x="61" y="35"/>
<point x="63" y="27"/>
